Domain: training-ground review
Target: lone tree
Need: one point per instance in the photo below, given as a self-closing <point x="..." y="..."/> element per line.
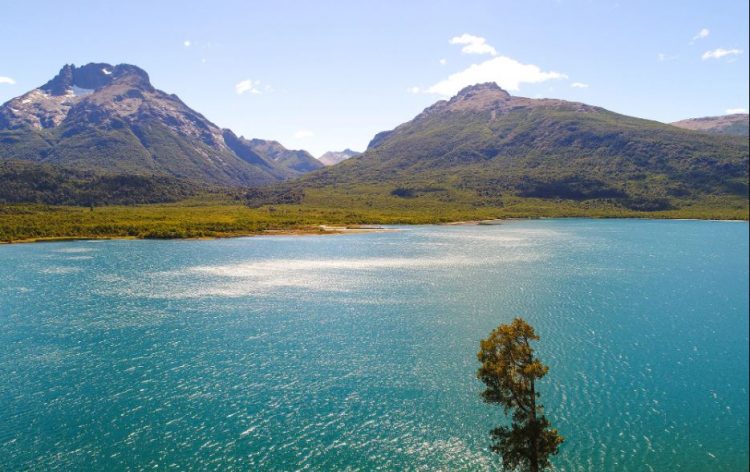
<point x="509" y="370"/>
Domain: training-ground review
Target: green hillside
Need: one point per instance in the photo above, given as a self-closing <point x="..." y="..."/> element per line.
<point x="489" y="146"/>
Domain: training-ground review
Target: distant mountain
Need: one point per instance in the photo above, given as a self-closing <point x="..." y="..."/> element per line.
<point x="737" y="124"/>
<point x="490" y="144"/>
<point x="106" y="118"/>
<point x="332" y="157"/>
<point x="295" y="162"/>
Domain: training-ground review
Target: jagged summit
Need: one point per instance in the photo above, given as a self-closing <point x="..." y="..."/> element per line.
<point x="120" y="89"/>
<point x="93" y="76"/>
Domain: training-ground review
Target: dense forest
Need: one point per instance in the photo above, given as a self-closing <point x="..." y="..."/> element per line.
<point x="26" y="182"/>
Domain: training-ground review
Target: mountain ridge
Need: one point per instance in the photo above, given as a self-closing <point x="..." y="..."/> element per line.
<point x="296" y="161"/>
<point x="732" y="124"/>
<point x="334" y="157"/>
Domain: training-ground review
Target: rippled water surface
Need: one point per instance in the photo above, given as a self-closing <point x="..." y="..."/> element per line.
<point x="357" y="352"/>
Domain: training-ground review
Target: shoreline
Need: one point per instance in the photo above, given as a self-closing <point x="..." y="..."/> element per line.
<point x="331" y="230"/>
<point x="500" y="221"/>
<point x="321" y="230"/>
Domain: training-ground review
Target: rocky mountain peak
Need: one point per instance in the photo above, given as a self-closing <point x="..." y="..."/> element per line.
<point x="479" y="97"/>
<point x="487" y="88"/>
<point x="474" y="98"/>
<point x="93" y="76"/>
<point x="98" y="92"/>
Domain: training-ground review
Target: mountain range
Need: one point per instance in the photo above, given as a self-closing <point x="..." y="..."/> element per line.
<point x="74" y="138"/>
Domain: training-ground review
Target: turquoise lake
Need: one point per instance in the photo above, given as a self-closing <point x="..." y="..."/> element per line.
<point x="357" y="351"/>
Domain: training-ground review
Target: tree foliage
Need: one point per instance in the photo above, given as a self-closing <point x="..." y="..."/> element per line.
<point x="28" y="182"/>
<point x="510" y="371"/>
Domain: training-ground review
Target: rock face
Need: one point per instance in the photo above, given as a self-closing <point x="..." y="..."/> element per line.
<point x="48" y="105"/>
<point x="737" y="124"/>
<point x="487" y="142"/>
<point x="110" y="118"/>
<point x="334" y="157"/>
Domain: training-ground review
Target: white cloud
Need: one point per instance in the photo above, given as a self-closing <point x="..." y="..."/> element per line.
<point x="6" y="80"/>
<point x="443" y="62"/>
<point x="186" y="43"/>
<point x="579" y="85"/>
<point x="734" y="111"/>
<point x="720" y="52"/>
<point x="473" y="44"/>
<point x="506" y="72"/>
<point x="703" y="33"/>
<point x="303" y="133"/>
<point x="247" y="86"/>
<point x="414" y="89"/>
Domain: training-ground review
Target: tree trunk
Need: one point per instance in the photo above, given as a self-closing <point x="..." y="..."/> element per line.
<point x="534" y="458"/>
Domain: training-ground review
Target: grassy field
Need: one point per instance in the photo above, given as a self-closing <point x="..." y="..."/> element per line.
<point x="216" y="217"/>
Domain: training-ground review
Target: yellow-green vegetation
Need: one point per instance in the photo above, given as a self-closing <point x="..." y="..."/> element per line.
<point x="509" y="371"/>
<point x="436" y="204"/>
<point x="219" y="217"/>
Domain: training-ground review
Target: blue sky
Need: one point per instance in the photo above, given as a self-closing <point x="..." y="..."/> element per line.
<point x="327" y="75"/>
